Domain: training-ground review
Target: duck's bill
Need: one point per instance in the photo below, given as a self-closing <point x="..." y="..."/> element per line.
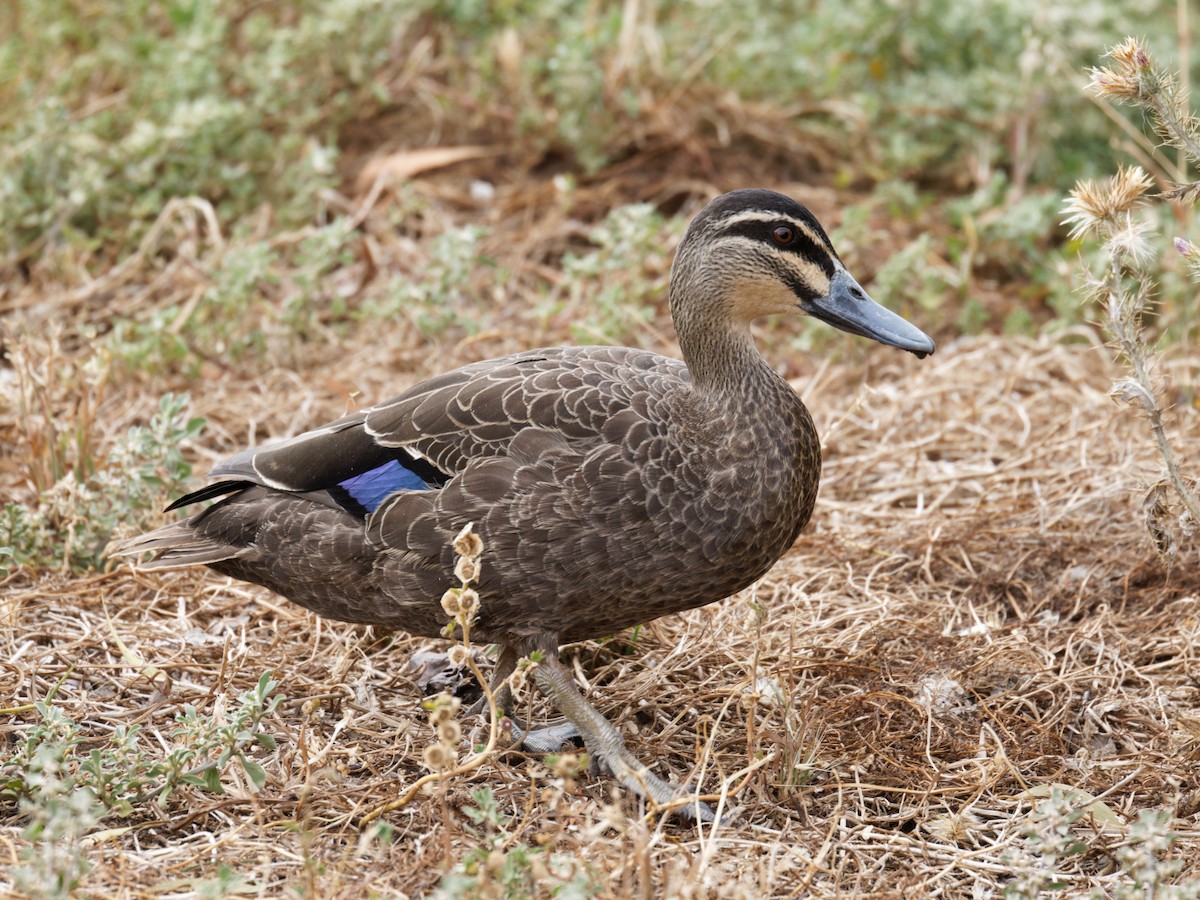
<point x="848" y="308"/>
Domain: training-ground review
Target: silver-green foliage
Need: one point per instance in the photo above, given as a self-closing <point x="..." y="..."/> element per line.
<point x="66" y="783"/>
<point x="500" y="865"/>
<point x="109" y="113"/>
<point x="73" y="519"/>
<point x="1055" y="839"/>
<point x="924" y="88"/>
<point x="610" y="283"/>
<point x="437" y="296"/>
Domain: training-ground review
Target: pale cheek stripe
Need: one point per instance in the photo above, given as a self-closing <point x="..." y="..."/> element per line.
<point x="792" y="269"/>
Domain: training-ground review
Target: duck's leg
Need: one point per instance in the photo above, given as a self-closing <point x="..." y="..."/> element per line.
<point x="498" y="685"/>
<point x="548" y="738"/>
<point x="604" y="741"/>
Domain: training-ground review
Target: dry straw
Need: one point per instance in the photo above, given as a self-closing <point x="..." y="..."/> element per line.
<point x="974" y="614"/>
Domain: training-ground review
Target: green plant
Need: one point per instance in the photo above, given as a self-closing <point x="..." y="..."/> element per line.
<point x="65" y="792"/>
<point x="1141" y="856"/>
<point x="440" y="295"/>
<point x="108" y="113"/>
<point x="232" y="316"/>
<point x="74" y="518"/>
<point x="610" y="288"/>
<point x="501" y="866"/>
<point x="322" y="251"/>
<point x="61" y="812"/>
<point x="1053" y="841"/>
<point x="911" y="272"/>
<point x="121" y="774"/>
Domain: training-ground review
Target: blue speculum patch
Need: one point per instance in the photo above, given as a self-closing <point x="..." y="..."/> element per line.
<point x="370" y="488"/>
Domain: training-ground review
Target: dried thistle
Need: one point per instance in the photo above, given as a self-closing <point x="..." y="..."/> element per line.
<point x="1130" y="79"/>
<point x="1102" y="206"/>
<point x="1186" y="193"/>
<point x="1157" y="509"/>
<point x="1135" y="79"/>
<point x="1128" y="241"/>
<point x="954" y="828"/>
<point x="1129" y="391"/>
<point x="1123" y="289"/>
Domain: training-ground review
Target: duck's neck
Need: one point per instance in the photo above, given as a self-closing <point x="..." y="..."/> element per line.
<point x="721" y="355"/>
<point x="723" y="363"/>
<point x="715" y="341"/>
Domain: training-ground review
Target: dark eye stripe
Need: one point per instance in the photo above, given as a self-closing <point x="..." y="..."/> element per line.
<point x="815" y="227"/>
<point x="792" y="279"/>
<point x="803" y="245"/>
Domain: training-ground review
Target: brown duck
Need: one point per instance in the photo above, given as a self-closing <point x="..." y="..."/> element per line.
<point x="610" y="485"/>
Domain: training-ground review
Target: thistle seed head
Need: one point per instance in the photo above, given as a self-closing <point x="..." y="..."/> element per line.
<point x="1130" y="78"/>
<point x="1128" y="240"/>
<point x="1096" y="203"/>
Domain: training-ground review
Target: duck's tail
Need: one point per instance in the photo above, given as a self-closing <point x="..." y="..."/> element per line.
<point x="175" y="546"/>
<point x="183" y="544"/>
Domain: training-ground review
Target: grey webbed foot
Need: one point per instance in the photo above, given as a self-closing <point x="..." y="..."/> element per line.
<point x="549" y="738"/>
<point x="606" y="745"/>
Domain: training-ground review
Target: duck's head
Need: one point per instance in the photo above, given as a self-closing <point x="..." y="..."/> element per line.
<point x="759" y="253"/>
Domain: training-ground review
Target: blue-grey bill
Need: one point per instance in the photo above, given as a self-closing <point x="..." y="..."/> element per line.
<point x="848" y="308"/>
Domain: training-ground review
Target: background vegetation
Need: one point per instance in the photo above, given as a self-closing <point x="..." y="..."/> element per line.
<point x="223" y="221"/>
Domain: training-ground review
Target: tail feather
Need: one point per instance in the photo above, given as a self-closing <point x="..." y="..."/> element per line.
<point x="211" y="492"/>
<point x="177" y="546"/>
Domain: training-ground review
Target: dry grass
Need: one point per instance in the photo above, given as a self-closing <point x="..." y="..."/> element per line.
<point x="974" y="614"/>
<point x="975" y="611"/>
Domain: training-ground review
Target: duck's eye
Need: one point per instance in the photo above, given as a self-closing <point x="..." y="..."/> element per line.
<point x="783" y="234"/>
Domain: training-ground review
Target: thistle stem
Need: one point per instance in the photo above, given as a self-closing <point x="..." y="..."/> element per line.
<point x="1124" y="323"/>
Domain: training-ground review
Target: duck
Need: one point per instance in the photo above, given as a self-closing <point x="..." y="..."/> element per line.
<point x="609" y="485"/>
